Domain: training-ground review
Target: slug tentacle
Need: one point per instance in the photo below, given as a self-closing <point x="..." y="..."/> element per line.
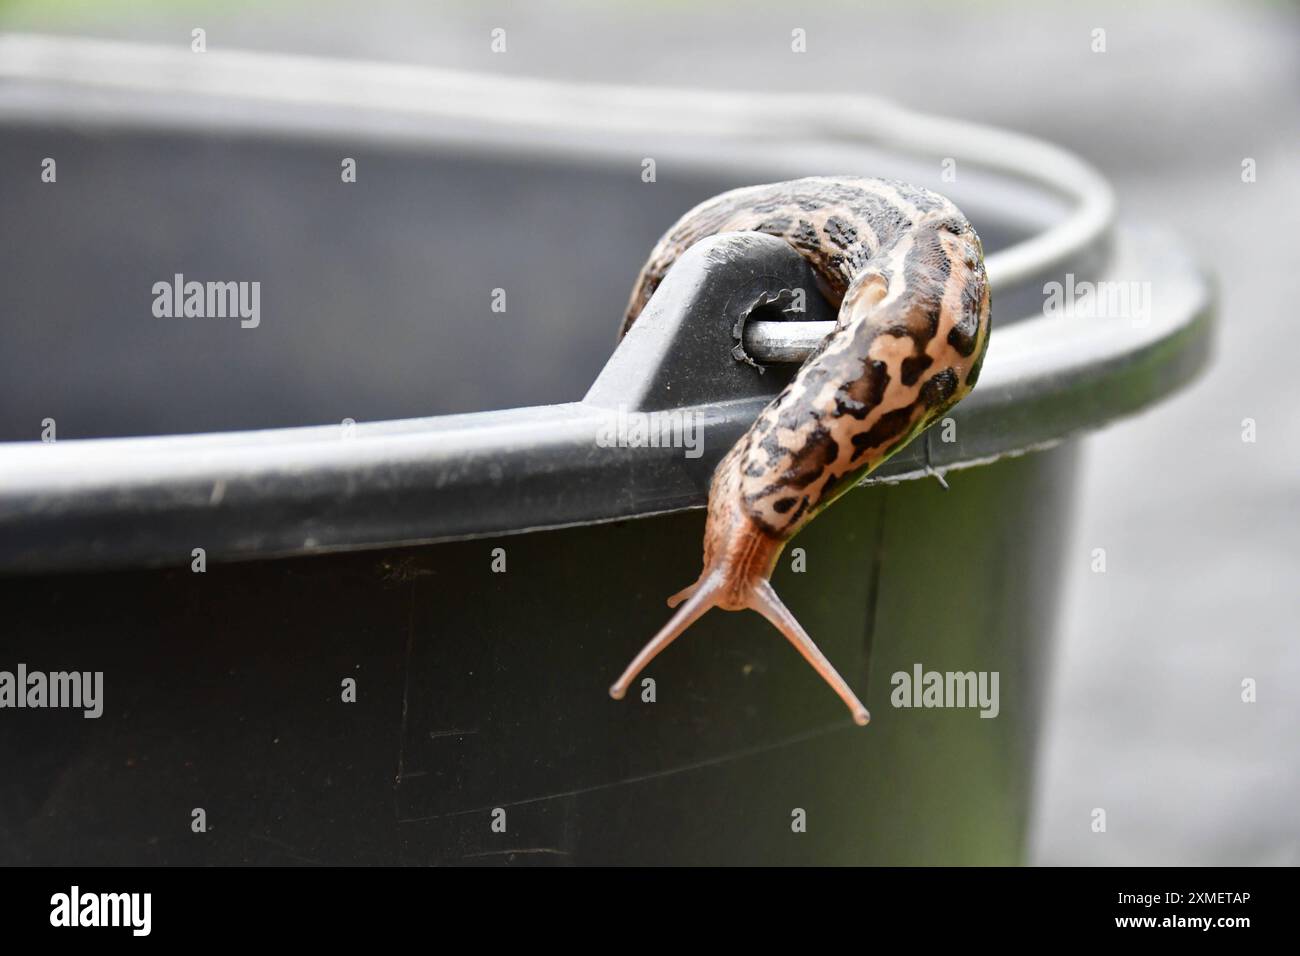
<point x="769" y="605"/>
<point x="701" y="599"/>
<point x="907" y="272"/>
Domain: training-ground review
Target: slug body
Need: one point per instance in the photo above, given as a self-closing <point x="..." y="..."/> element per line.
<point x="906" y="270"/>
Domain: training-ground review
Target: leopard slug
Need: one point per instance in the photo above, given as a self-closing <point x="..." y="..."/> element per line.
<point x="906" y="270"/>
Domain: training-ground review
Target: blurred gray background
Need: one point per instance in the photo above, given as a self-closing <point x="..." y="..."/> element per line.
<point x="1200" y="528"/>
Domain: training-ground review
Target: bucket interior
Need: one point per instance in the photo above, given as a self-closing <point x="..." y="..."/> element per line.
<point x="375" y="299"/>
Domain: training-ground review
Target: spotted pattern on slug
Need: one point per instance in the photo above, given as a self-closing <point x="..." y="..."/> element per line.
<point x="906" y="270"/>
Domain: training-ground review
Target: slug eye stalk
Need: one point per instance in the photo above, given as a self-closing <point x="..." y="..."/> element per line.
<point x="756" y="595"/>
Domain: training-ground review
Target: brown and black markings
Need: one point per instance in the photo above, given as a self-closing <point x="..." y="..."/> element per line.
<point x="906" y="270"/>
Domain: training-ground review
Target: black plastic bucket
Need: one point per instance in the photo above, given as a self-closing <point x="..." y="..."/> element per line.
<point x="482" y="575"/>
